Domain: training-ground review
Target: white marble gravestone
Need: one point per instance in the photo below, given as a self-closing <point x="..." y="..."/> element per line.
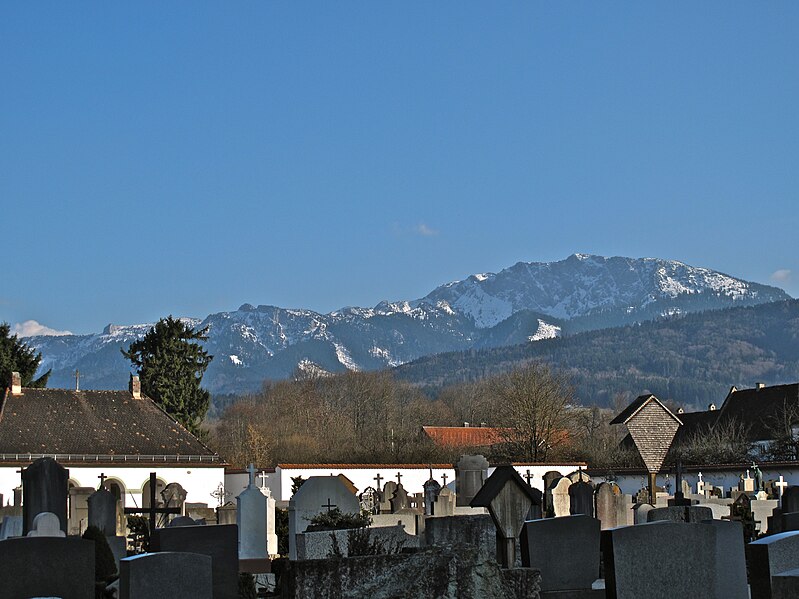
<point x="561" y="502"/>
<point x="316" y="495"/>
<point x="46" y="524"/>
<point x="271" y="535"/>
<point x="251" y="519"/>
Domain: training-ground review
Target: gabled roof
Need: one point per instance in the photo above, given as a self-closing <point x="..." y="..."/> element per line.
<point x="97" y="423"/>
<point x="465" y="436"/>
<point x="636" y="406"/>
<point x="760" y="408"/>
<point x="498" y="479"/>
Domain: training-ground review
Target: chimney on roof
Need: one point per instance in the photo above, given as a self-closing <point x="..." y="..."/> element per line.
<point x="759" y="385"/>
<point x="465" y="425"/>
<point x="135" y="386"/>
<point x="712" y="407"/>
<point x="16" y="384"/>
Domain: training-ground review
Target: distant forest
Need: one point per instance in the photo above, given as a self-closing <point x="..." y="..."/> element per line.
<point x="692" y="360"/>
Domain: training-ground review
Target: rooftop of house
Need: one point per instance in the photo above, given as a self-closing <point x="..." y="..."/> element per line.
<point x="464" y="436"/>
<point x="107" y="424"/>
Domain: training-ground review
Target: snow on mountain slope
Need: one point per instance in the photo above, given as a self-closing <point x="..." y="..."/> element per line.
<point x="529" y="301"/>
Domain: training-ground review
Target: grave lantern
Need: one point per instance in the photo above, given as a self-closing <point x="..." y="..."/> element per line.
<point x="508" y="499"/>
<point x="652" y="427"/>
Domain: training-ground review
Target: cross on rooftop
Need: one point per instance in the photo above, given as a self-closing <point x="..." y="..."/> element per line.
<point x="329" y="505"/>
<point x="378" y="478"/>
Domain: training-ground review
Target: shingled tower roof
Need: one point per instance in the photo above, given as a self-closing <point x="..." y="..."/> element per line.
<point x="652" y="427"/>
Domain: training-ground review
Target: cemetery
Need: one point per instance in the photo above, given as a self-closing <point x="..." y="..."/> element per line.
<point x="467" y="529"/>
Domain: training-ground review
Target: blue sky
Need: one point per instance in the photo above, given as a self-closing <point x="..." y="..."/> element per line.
<point x="186" y="158"/>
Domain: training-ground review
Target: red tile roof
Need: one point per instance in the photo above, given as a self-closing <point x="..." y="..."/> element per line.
<point x="465" y="436"/>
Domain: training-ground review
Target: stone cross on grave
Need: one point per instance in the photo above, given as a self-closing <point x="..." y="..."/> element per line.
<point x="528" y="477"/>
<point x="399" y="478"/>
<point x="262" y="476"/>
<point x="251" y="472"/>
<point x="329" y="505"/>
<point x="781" y="486"/>
<point x="153" y="510"/>
<point x="102" y="478"/>
<point x="444" y="478"/>
<point x="378" y="478"/>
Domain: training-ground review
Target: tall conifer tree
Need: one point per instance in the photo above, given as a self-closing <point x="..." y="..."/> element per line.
<point x="171" y="365"/>
<point x="16" y="356"/>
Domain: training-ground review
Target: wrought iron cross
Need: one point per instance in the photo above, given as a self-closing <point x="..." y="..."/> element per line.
<point x="528" y="476"/>
<point x="329" y="505"/>
<point x="399" y="478"/>
<point x="102" y="478"/>
<point x="378" y="478"/>
<point x="444" y="478"/>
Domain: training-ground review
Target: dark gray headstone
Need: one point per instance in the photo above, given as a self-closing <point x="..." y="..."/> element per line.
<point x="566" y="550"/>
<point x="768" y="557"/>
<point x="181" y="521"/>
<point x="660" y="559"/>
<point x="399" y="501"/>
<point x="167" y="574"/>
<point x="103" y="511"/>
<point x="549" y="479"/>
<point x="221" y="543"/>
<point x="581" y="499"/>
<point x="730" y="560"/>
<point x="44" y="489"/>
<point x="785" y="585"/>
<point x="790" y="500"/>
<point x="471" y="471"/>
<point x="688" y="513"/>
<point x="47" y="567"/>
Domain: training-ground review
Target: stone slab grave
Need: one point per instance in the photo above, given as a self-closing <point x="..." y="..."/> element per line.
<point x="251" y="516"/>
<point x="316" y="495"/>
<point x="408" y="521"/>
<point x="768" y="557"/>
<point x="610" y="506"/>
<point x="11" y="527"/>
<point x="673" y="559"/>
<point x="47" y="567"/>
<point x="444" y="504"/>
<point x="220" y="543"/>
<point x="166" y="574"/>
<point x="319" y="545"/>
<point x="761" y="510"/>
<point x="549" y="479"/>
<point x="561" y="502"/>
<point x="386" y="494"/>
<point x="46" y="524"/>
<point x="565" y="550"/>
<point x="478" y="531"/>
<point x="688" y="513"/>
<point x="44" y="489"/>
<point x="471" y="471"/>
<point x="78" y="509"/>
<point x="581" y="499"/>
<point x="641" y="513"/>
<point x="102" y="511"/>
<point x="790" y="500"/>
<point x="785" y="585"/>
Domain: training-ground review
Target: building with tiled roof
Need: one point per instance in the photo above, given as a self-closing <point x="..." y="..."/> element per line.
<point x="459" y="437"/>
<point x="122" y="435"/>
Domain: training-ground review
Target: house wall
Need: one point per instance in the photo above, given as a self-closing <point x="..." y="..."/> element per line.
<point x="199" y="482"/>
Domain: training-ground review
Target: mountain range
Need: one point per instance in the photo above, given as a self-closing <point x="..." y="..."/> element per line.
<point x="523" y="304"/>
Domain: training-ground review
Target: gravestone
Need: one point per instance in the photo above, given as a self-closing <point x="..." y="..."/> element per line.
<point x="316" y="495"/>
<point x="641" y="513"/>
<point x="226" y="514"/>
<point x="103" y="511"/>
<point x="747" y="483"/>
<point x="549" y="479"/>
<point x="565" y="550"/>
<point x="399" y="501"/>
<point x="46" y="524"/>
<point x="220" y="543"/>
<point x="431" y="490"/>
<point x="44" y="489"/>
<point x="271" y="535"/>
<point x="319" y="545"/>
<point x="387" y="494"/>
<point x="561" y="501"/>
<point x="47" y="567"/>
<point x="183" y="521"/>
<point x="78" y="509"/>
<point x="166" y="574"/>
<point x="11" y="527"/>
<point x="785" y="585"/>
<point x="790" y="500"/>
<point x="581" y="499"/>
<point x="730" y="560"/>
<point x="580" y="477"/>
<point x="688" y="513"/>
<point x="251" y="520"/>
<point x="769" y="557"/>
<point x="661" y="559"/>
<point x="609" y="504"/>
<point x="444" y="504"/>
<point x="471" y="472"/>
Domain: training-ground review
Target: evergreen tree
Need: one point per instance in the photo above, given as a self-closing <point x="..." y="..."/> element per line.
<point x="171" y="366"/>
<point x="15" y="356"/>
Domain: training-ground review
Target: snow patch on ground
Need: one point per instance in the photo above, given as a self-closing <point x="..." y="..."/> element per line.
<point x="343" y="355"/>
<point x="236" y="360"/>
<point x="545" y="331"/>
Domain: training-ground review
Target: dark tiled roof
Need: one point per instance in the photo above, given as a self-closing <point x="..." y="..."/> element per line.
<point x="636" y="405"/>
<point x="693" y="422"/>
<point x="62" y="421"/>
<point x="760" y="409"/>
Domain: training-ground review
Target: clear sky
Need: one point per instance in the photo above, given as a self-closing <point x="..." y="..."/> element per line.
<point x="187" y="157"/>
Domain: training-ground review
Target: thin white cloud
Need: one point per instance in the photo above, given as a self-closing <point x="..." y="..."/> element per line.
<point x="424" y="230"/>
<point x="783" y="275"/>
<point x="29" y="328"/>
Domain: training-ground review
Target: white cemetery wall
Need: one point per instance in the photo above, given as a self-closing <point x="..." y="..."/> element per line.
<point x="199" y="482"/>
<point x="538" y="470"/>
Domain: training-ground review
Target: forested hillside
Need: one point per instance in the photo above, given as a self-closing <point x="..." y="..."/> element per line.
<point x="692" y="359"/>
